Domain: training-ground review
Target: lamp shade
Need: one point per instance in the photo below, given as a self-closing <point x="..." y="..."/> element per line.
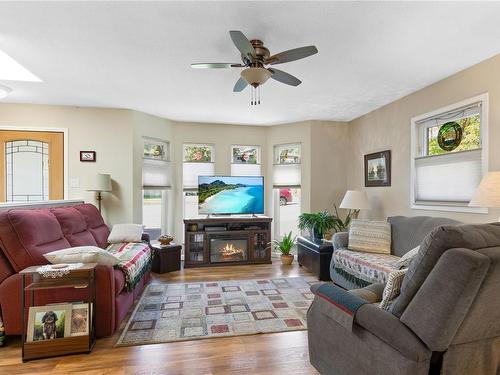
<point x="487" y="193"/>
<point x="102" y="182"/>
<point x="355" y="200"/>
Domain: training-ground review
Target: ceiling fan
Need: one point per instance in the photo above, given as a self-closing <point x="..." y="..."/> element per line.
<point x="255" y="57"/>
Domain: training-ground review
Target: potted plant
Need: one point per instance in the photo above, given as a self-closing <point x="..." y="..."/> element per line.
<point x="341" y="225"/>
<point x="317" y="223"/>
<point x="284" y="246"/>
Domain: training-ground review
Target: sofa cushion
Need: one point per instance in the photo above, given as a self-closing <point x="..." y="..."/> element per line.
<point x="370" y="236"/>
<point x="409" y="232"/>
<point x="74" y="226"/>
<point x="364" y="268"/>
<point x="95" y="223"/>
<point x="28" y="234"/>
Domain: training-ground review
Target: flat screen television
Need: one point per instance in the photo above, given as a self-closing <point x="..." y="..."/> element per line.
<point x="230" y="195"/>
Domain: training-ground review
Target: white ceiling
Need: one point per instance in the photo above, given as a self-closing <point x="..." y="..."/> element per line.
<point x="137" y="55"/>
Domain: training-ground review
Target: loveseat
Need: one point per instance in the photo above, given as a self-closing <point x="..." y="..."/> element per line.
<point x="446" y="319"/>
<point x="27" y="234"/>
<point x="355" y="269"/>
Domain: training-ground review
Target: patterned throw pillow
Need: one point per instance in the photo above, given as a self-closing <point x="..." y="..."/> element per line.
<point x="370" y="236"/>
<point x="406" y="259"/>
<point x="392" y="288"/>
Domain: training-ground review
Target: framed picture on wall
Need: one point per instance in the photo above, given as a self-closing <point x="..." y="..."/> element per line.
<point x="87" y="156"/>
<point x="378" y="169"/>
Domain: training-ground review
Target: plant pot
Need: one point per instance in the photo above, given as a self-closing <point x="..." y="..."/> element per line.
<point x="287" y="259"/>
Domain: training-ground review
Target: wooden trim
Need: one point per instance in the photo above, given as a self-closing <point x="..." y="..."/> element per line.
<point x="56" y="159"/>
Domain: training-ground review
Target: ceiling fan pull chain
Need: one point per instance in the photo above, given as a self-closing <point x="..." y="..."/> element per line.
<point x="259" y="94"/>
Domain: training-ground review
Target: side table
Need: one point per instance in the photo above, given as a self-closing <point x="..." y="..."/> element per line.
<point x="31" y="282"/>
<point x="166" y="258"/>
<point x="315" y="256"/>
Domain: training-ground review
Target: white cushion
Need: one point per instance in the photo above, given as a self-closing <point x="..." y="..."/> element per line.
<point x="82" y="254"/>
<point x="370" y="236"/>
<point x="392" y="288"/>
<point x="122" y="233"/>
<point x="406" y="259"/>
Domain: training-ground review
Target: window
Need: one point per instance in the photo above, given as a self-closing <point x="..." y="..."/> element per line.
<point x="156" y="183"/>
<point x="198" y="160"/>
<point x="245" y="161"/>
<point x="30" y="160"/>
<point x="449" y="156"/>
<point x="286" y="188"/>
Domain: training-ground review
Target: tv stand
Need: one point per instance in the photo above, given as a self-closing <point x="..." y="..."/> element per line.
<point x="227" y="241"/>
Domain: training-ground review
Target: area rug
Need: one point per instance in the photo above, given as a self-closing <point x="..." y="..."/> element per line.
<point x="179" y="312"/>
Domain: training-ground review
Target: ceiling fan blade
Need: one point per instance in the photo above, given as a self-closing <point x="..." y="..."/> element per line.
<point x="292" y="55"/>
<point x="243" y="44"/>
<point x="240" y="85"/>
<point x="215" y="65"/>
<point x="284" y="77"/>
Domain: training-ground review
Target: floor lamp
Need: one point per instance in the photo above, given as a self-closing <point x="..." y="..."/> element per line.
<point x="101" y="183"/>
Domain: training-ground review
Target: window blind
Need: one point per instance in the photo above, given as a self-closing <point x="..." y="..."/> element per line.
<point x="286" y="175"/>
<point x="454" y="115"/>
<point x="156" y="174"/>
<point x="191" y="171"/>
<point x="451" y="177"/>
<point x="238" y="169"/>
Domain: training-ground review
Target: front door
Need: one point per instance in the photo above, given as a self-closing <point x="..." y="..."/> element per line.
<point x="31" y="166"/>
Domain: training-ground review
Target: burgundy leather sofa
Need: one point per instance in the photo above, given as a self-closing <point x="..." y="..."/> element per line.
<point x="27" y="234"/>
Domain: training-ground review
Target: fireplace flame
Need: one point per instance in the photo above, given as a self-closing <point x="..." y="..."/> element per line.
<point x="229" y="250"/>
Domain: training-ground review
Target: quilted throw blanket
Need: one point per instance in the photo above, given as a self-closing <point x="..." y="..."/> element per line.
<point x="135" y="261"/>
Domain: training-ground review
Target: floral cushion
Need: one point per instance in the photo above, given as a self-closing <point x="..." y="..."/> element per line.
<point x="364" y="268"/>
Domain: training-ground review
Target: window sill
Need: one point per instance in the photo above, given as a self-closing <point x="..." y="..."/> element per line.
<point x="465" y="209"/>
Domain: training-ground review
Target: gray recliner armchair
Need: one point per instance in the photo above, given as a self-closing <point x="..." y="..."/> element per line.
<point x="446" y="319"/>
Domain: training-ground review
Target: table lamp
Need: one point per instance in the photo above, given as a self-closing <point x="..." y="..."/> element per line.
<point x="355" y="200"/>
<point x="487" y="193"/>
<point x="101" y="183"/>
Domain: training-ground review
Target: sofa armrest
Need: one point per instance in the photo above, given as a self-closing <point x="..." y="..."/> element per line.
<point x="340" y="240"/>
<point x="146" y="237"/>
<point x="392" y="331"/>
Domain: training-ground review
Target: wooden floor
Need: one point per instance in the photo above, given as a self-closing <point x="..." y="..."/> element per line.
<point x="275" y="353"/>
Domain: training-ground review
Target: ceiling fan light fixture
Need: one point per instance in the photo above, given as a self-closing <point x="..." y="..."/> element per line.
<point x="256" y="76"/>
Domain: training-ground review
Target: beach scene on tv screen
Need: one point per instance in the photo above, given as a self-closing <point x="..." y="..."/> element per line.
<point x="230" y="195"/>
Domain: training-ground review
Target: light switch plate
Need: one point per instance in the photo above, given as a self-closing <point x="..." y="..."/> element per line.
<point x="74" y="182"/>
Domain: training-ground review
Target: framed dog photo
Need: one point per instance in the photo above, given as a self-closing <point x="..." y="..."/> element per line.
<point x="80" y="317"/>
<point x="48" y="322"/>
<point x="378" y="169"/>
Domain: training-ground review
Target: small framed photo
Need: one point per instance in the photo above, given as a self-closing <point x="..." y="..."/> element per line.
<point x="80" y="317"/>
<point x="49" y="322"/>
<point x="378" y="169"/>
<point x="87" y="156"/>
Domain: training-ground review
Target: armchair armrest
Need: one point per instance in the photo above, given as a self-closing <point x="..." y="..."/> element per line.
<point x="340" y="240"/>
<point x="341" y="305"/>
<point x="392" y="331"/>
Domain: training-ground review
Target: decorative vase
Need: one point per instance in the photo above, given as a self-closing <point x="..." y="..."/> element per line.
<point x="286" y="259"/>
<point x="165" y="239"/>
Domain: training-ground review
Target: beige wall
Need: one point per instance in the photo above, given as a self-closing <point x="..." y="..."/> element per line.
<point x="223" y="137"/>
<point x="107" y="131"/>
<point x="389" y="128"/>
<point x="329" y="145"/>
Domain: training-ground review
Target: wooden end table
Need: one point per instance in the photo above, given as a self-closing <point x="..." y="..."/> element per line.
<point x="166" y="258"/>
<point x="32" y="281"/>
